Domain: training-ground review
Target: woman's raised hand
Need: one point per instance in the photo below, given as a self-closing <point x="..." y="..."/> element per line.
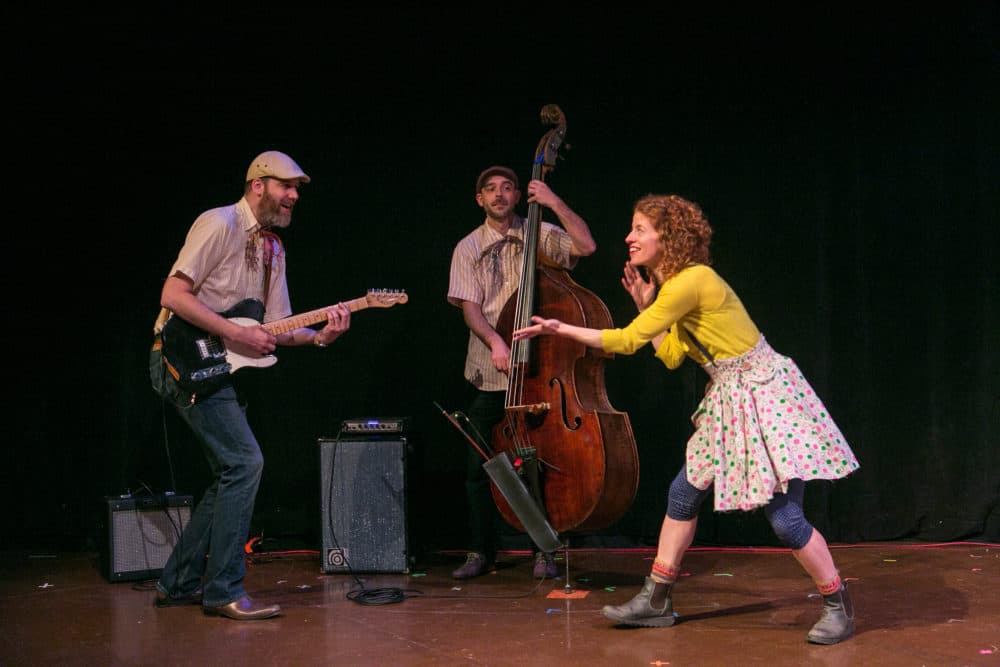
<point x="641" y="291"/>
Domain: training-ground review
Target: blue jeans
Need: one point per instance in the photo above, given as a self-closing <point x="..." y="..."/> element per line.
<point x="210" y="552"/>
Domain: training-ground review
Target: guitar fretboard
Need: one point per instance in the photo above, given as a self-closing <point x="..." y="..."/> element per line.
<point x="319" y="315"/>
<point x="311" y="317"/>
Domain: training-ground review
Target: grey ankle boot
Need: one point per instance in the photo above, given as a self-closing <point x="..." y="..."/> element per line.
<point x="638" y="611"/>
<point x="837" y="622"/>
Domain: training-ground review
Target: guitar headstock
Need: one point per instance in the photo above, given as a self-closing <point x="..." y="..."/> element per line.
<point x="384" y="298"/>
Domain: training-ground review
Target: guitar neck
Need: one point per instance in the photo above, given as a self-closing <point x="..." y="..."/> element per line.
<point x="312" y="317"/>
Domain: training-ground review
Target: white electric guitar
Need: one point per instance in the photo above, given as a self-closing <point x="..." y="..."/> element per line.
<point x="200" y="362"/>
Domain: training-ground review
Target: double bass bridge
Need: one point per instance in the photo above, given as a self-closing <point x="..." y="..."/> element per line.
<point x="533" y="409"/>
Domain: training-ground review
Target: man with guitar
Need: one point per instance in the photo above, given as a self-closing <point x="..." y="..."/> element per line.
<point x="231" y="264"/>
<point x="485" y="272"/>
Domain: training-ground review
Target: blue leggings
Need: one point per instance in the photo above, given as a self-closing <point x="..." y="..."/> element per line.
<point x="784" y="512"/>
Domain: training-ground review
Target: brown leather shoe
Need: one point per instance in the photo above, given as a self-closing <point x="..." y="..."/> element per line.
<point x="244" y="609"/>
<point x="164" y="600"/>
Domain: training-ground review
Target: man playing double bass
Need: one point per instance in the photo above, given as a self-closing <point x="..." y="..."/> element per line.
<point x="485" y="272"/>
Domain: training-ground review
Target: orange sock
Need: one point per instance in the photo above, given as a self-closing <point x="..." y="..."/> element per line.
<point x="829" y="587"/>
<point x="664" y="573"/>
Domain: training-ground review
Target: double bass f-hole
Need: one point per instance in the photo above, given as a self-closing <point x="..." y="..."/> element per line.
<point x="577" y="421"/>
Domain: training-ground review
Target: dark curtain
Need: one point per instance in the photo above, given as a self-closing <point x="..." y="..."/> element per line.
<point x="848" y="162"/>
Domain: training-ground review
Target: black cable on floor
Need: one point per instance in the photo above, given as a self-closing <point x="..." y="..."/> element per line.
<point x="374" y="596"/>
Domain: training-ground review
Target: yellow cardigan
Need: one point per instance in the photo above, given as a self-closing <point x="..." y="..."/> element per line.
<point x="699" y="300"/>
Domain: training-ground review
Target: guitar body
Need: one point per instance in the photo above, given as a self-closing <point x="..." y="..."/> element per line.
<point x="238" y="361"/>
<point x="198" y="360"/>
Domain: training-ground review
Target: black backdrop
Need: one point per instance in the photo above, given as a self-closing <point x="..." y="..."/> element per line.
<point x="847" y="158"/>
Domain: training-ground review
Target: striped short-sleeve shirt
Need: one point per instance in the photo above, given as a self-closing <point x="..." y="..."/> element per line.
<point x="486" y="269"/>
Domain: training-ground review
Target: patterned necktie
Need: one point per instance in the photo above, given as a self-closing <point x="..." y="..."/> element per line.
<point x="493" y="252"/>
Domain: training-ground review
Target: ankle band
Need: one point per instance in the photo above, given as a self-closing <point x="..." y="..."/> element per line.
<point x="664" y="573"/>
<point x="829" y="587"/>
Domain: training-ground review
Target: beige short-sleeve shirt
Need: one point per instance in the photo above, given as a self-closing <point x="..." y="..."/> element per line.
<point x="223" y="255"/>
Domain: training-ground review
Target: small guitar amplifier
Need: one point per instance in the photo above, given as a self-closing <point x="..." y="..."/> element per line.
<point x="140" y="534"/>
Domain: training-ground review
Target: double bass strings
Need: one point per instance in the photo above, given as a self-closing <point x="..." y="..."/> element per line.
<point x="521" y="350"/>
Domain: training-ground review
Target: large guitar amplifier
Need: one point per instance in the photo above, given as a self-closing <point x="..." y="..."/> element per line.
<point x="141" y="532"/>
<point x="363" y="478"/>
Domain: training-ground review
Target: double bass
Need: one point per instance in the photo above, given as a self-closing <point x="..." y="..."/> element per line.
<point x="574" y="451"/>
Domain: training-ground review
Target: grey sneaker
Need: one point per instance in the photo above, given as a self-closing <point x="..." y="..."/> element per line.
<point x="475" y="565"/>
<point x="545" y="566"/>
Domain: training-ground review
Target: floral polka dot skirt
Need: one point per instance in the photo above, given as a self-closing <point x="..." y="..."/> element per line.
<point x="759" y="425"/>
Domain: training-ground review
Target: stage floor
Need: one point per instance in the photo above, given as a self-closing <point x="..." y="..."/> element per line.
<point x="917" y="604"/>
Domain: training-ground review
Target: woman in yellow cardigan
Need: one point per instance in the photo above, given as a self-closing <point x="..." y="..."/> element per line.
<point x="760" y="432"/>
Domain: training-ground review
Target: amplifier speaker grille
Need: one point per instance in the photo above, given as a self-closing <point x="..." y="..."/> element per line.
<point x="141" y="533"/>
<point x="363" y="504"/>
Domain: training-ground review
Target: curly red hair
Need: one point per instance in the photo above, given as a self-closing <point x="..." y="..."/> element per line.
<point x="683" y="229"/>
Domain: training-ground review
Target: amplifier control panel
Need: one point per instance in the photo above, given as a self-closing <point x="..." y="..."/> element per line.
<point x="375" y="425"/>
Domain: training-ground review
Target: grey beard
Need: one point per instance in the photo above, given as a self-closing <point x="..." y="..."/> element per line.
<point x="278" y="221"/>
<point x="271" y="216"/>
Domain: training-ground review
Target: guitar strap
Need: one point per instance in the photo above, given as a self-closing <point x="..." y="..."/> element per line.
<point x="161" y="319"/>
<point x="271" y="243"/>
